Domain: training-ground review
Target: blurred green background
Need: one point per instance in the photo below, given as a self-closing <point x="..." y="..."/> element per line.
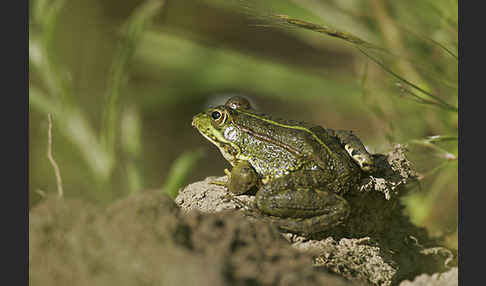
<point x="122" y="80"/>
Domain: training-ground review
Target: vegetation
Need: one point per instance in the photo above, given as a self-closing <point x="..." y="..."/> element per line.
<point x="122" y="81"/>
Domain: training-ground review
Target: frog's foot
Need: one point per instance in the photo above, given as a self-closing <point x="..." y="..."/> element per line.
<point x="249" y="209"/>
<point x="253" y="212"/>
<point x="239" y="203"/>
<point x="218" y="183"/>
<point x="222" y="183"/>
<point x="311" y="225"/>
<point x="302" y="226"/>
<point x="301" y="210"/>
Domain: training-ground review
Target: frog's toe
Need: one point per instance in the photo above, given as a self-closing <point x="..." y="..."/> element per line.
<point x="219" y="183"/>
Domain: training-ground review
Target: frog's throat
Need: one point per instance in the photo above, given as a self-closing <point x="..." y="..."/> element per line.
<point x="217" y="139"/>
<point x="291" y="127"/>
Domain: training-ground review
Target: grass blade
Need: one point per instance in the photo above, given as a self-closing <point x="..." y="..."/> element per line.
<point x="132" y="32"/>
<point x="179" y="170"/>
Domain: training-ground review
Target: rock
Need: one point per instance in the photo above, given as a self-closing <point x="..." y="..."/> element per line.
<point x="378" y="245"/>
<point x="207" y="197"/>
<point x="203" y="238"/>
<point x="449" y="278"/>
<point x="355" y="259"/>
<point x="131" y="243"/>
<point x="145" y="239"/>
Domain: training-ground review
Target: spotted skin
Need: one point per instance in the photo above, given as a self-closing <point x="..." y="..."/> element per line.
<point x="301" y="172"/>
<point x="355" y="148"/>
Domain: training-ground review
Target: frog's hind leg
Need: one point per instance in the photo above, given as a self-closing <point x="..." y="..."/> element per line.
<point x="308" y="226"/>
<point x="301" y="209"/>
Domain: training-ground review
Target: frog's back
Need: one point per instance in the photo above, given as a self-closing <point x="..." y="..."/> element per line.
<point x="324" y="152"/>
<point x="302" y="138"/>
<point x="294" y="135"/>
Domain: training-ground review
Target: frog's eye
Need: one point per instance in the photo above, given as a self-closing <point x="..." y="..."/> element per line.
<point x="216" y="115"/>
<point x="219" y="116"/>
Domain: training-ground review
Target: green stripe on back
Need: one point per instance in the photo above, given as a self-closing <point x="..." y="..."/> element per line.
<point x="291" y="127"/>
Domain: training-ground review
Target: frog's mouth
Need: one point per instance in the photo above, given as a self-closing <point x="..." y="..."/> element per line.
<point x="207" y="130"/>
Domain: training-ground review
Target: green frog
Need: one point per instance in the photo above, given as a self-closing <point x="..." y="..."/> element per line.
<point x="300" y="171"/>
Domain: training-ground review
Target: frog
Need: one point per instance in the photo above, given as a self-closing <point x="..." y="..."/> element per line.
<point x="299" y="172"/>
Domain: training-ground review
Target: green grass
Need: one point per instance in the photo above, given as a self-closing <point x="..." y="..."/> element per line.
<point x="123" y="79"/>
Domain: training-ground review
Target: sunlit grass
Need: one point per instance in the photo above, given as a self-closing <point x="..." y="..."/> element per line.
<point x="54" y="93"/>
<point x="405" y="57"/>
<point x="179" y="170"/>
<point x="432" y="88"/>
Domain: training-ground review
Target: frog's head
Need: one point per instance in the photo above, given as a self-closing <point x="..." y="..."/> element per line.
<point x="216" y="125"/>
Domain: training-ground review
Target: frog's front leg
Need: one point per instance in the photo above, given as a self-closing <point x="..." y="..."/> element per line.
<point x="242" y="178"/>
<point x="298" y="203"/>
<point x="355" y="148"/>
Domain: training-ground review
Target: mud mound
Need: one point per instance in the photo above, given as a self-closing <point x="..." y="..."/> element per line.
<point x="377" y="245"/>
<point x="448" y="278"/>
<point x="145" y="240"/>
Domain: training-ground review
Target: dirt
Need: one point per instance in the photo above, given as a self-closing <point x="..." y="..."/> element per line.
<point x="205" y="239"/>
<point x="378" y="245"/>
<point x="145" y="240"/>
<point x="448" y="278"/>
